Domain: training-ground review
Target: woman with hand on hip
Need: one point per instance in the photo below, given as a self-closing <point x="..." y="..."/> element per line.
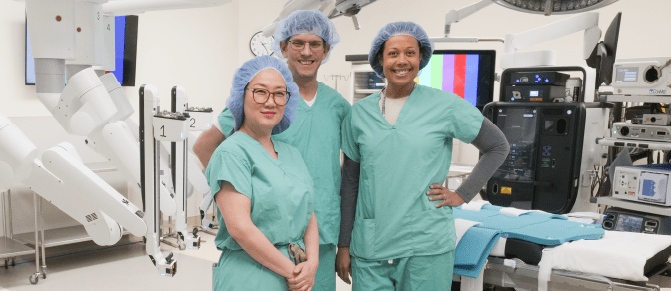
<point x="262" y="187"/>
<point x="403" y="235"/>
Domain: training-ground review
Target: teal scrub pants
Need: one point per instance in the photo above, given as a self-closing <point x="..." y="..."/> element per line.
<point x="419" y="273"/>
<point x="238" y="271"/>
<point x="325" y="279"/>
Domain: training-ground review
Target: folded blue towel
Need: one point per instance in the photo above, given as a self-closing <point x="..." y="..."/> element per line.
<point x="473" y="250"/>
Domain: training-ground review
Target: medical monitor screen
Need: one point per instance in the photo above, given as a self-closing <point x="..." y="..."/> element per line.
<point x="517" y="125"/>
<point x="125" y="50"/>
<point x="467" y="73"/>
<point x="629" y="223"/>
<point x="626" y="74"/>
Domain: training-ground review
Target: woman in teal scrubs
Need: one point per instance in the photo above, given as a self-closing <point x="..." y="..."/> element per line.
<point x="264" y="192"/>
<point x="403" y="238"/>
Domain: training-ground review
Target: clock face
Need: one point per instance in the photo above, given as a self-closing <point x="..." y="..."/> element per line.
<point x="260" y="45"/>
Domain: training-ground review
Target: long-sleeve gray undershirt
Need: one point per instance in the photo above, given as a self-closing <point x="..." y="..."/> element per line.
<point x="490" y="141"/>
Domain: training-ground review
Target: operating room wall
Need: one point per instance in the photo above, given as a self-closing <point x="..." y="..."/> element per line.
<point x="194" y="48"/>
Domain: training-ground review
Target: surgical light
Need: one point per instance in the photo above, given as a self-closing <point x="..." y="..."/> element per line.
<point x="548" y="7"/>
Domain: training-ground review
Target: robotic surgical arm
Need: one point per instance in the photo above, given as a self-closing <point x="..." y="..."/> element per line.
<point x="88" y="105"/>
<point x="61" y="178"/>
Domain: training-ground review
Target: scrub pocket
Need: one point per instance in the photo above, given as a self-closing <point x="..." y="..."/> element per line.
<point x="363" y="238"/>
<point x="431" y="228"/>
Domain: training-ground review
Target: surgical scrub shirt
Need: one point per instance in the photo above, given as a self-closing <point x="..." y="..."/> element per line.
<point x="280" y="189"/>
<point x="316" y="134"/>
<point x="394" y="218"/>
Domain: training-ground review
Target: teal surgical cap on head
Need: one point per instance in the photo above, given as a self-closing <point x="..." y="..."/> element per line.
<point x="396" y="28"/>
<point x="305" y="22"/>
<point x="245" y="74"/>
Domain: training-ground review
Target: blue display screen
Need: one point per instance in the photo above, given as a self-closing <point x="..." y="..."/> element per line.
<point x="119" y="43"/>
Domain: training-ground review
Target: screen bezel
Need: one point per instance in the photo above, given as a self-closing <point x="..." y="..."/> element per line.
<point x="486" y="73"/>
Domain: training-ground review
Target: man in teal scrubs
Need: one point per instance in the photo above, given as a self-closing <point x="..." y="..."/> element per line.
<point x="402" y="137"/>
<point x="305" y="39"/>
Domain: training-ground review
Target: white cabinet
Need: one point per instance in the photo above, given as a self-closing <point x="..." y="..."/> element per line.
<point x="361" y="73"/>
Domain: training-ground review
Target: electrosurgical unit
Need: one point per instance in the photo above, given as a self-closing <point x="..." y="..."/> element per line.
<point x="647" y="183"/>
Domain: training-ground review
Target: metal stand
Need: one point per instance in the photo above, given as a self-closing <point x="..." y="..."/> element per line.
<point x="39" y="228"/>
<point x="9" y="247"/>
<point x="170" y="234"/>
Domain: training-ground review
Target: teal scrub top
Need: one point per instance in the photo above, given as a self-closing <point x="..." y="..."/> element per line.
<point x="281" y="194"/>
<point x="394" y="218"/>
<point x="316" y="134"/>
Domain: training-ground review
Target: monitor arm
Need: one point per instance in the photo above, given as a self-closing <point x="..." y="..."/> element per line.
<point x="587" y="22"/>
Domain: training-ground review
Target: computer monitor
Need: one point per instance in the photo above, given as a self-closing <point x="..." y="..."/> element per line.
<point x="125" y="29"/>
<point x="467" y="73"/>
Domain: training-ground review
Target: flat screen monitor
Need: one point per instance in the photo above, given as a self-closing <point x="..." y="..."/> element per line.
<point x="467" y="73"/>
<point x="125" y="51"/>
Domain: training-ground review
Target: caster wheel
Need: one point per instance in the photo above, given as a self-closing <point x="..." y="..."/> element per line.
<point x="44" y="272"/>
<point x="6" y="263"/>
<point x="13" y="262"/>
<point x="182" y="246"/>
<point x="34" y="278"/>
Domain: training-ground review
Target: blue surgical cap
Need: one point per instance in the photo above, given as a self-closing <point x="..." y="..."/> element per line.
<point x="305" y="22"/>
<point x="396" y="28"/>
<point x="245" y="74"/>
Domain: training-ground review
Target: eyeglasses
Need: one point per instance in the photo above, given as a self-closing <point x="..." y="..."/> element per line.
<point x="261" y="96"/>
<point x="314" y="45"/>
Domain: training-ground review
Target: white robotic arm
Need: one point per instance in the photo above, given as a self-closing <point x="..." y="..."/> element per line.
<point x="88" y="105"/>
<point x="156" y="127"/>
<point x="62" y="179"/>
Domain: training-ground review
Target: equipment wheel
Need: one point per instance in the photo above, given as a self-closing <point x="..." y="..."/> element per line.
<point x="34" y="278"/>
<point x="182" y="246"/>
<point x="44" y="271"/>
